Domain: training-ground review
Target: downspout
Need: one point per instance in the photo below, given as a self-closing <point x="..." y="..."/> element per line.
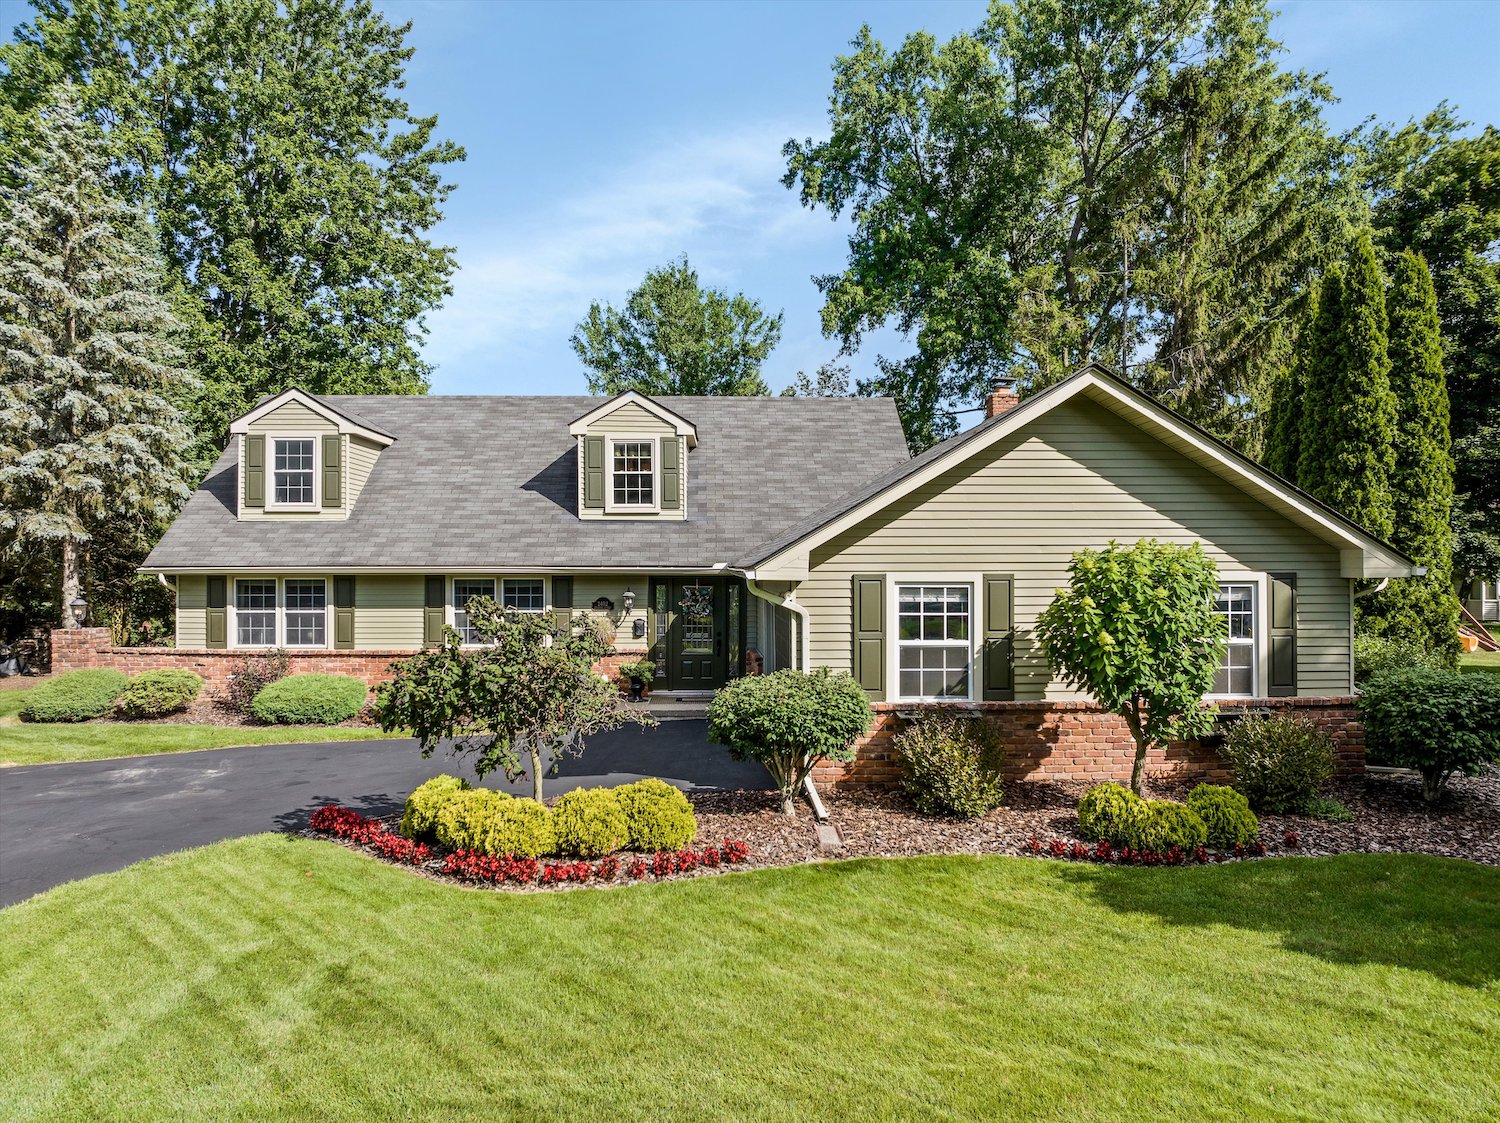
<point x="1361" y="594"/>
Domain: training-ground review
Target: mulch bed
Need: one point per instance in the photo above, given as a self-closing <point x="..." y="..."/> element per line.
<point x="1389" y="817"/>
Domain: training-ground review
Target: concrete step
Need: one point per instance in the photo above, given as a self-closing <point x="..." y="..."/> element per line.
<point x="666" y="707"/>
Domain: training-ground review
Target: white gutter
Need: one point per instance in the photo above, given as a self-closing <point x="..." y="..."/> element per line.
<point x="789" y="602"/>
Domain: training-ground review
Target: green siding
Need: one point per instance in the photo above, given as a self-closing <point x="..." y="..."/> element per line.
<point x="631" y="419"/>
<point x="290" y="420"/>
<point x="388" y="612"/>
<point x="192" y="606"/>
<point x="293" y="417"/>
<point x="362" y="454"/>
<point x="1078" y="477"/>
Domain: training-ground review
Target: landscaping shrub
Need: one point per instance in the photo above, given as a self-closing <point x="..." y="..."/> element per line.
<point x="251" y="675"/>
<point x="1279" y="762"/>
<point x="1330" y="810"/>
<point x="1226" y="814"/>
<point x="1106" y="811"/>
<point x="657" y="815"/>
<point x="309" y="700"/>
<point x="419" y="818"/>
<point x="74" y="696"/>
<point x="589" y="823"/>
<point x="154" y="693"/>
<point x="1437" y="722"/>
<point x="948" y="766"/>
<point x="1160" y="825"/>
<point x="494" y="823"/>
<point x="1374" y="654"/>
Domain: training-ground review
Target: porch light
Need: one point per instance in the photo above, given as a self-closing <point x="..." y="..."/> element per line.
<point x="628" y="599"/>
<point x="80" y="608"/>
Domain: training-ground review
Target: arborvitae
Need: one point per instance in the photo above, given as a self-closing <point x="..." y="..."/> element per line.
<point x="1288" y="401"/>
<point x="1421" y="610"/>
<point x="88" y="374"/>
<point x="1347" y="437"/>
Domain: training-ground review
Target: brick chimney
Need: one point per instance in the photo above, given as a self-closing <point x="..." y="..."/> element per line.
<point x="1002" y="396"/>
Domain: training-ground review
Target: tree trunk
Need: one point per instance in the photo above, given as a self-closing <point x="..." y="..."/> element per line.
<point x="1138" y="769"/>
<point x="1433" y="782"/>
<point x="72" y="583"/>
<point x="789" y="803"/>
<point x="536" y="771"/>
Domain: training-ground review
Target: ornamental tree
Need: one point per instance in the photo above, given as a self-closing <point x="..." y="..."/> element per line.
<point x="1136" y="628"/>
<point x="790" y="722"/>
<point x="528" y="695"/>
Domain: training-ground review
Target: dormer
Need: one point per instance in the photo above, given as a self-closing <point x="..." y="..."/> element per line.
<point x="302" y="458"/>
<point x="632" y="459"/>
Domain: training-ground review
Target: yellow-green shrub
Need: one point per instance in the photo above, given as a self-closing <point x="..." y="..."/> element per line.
<point x="1105" y="812"/>
<point x="1227" y="815"/>
<point x="419" y="819"/>
<point x="589" y="823"/>
<point x="494" y="823"/>
<point x="657" y="815"/>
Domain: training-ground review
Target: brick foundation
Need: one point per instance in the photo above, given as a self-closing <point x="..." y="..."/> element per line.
<point x="1078" y="741"/>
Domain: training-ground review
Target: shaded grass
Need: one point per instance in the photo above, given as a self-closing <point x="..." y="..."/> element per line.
<point x="1480" y="661"/>
<point x="277" y="978"/>
<point x="50" y="742"/>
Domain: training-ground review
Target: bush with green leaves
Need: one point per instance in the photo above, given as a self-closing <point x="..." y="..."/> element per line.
<point x="790" y="722"/>
<point x="310" y="700"/>
<point x="1279" y="762"/>
<point x="948" y="765"/>
<point x="1105" y="812"/>
<point x="74" y="696"/>
<point x="493" y="823"/>
<point x="252" y="673"/>
<point x="657" y="815"/>
<point x="155" y="693"/>
<point x="1227" y="815"/>
<point x="1441" y="723"/>
<point x="1160" y="824"/>
<point x="426" y="802"/>
<point x="1329" y="810"/>
<point x="1374" y="654"/>
<point x="589" y="823"/>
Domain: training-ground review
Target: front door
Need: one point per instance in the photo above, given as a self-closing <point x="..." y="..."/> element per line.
<point x="697" y="619"/>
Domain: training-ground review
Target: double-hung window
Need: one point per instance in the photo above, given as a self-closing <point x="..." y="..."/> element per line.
<point x="466" y="589"/>
<point x="292" y="472"/>
<point x="1236" y="671"/>
<point x="255" y="613"/>
<point x="632" y="479"/>
<point x="933" y="645"/>
<point x="523" y="594"/>
<point x="305" y="605"/>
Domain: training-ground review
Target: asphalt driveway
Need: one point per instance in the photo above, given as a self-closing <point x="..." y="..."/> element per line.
<point x="59" y="822"/>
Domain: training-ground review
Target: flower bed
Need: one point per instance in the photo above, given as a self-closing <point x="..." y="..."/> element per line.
<point x="377" y="838"/>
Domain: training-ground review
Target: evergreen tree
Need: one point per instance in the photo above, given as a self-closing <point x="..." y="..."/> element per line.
<point x="1422" y="610"/>
<point x="1347" y="437"/>
<point x="89" y="434"/>
<point x="1283" y="437"/>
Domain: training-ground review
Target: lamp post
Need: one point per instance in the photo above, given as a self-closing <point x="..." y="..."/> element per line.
<point x="80" y="610"/>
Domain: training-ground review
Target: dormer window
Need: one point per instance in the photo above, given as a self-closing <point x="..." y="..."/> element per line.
<point x="633" y="474"/>
<point x="292" y="472"/>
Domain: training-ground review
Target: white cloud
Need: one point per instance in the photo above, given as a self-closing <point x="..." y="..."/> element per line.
<point x="528" y="277"/>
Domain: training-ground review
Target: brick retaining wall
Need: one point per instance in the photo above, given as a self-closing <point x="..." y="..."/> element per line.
<point x="1078" y="741"/>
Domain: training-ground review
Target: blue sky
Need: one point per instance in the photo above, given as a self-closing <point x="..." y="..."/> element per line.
<point x="604" y="139"/>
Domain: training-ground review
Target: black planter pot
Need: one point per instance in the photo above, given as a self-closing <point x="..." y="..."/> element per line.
<point x="637" y="689"/>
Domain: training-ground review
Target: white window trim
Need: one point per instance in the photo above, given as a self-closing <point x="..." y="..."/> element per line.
<point x="1260" y="663"/>
<point x="317" y="472"/>
<point x="975" y="582"/>
<point x="610" y="506"/>
<point x="232" y="612"/>
<point x="451" y="612"/>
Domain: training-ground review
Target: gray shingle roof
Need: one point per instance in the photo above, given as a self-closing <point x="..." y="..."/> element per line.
<point x="473" y="482"/>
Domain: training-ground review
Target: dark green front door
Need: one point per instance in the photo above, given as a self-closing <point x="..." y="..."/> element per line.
<point x="698" y="621"/>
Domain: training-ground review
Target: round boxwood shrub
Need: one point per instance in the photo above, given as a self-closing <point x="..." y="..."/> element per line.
<point x="154" y="693"/>
<point x="657" y="815"/>
<point x="74" y="696"/>
<point x="309" y="700"/>
<point x="1159" y="824"/>
<point x="419" y="818"/>
<point x="589" y="823"/>
<point x="1437" y="722"/>
<point x="948" y="766"/>
<point x="1279" y="762"/>
<point x="494" y="823"/>
<point x="1106" y="811"/>
<point x="1227" y="815"/>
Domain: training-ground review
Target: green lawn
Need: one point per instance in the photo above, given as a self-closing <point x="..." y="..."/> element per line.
<point x="1480" y="661"/>
<point x="46" y="743"/>
<point x="284" y="978"/>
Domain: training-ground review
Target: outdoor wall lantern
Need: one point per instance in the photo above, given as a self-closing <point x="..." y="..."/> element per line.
<point x="628" y="599"/>
<point x="80" y="609"/>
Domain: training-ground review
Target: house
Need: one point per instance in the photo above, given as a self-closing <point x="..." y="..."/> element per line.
<point x="351" y="530"/>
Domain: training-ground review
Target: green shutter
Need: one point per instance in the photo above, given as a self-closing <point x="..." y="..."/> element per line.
<point x="1283" y="682"/>
<point x="333" y="486"/>
<point x="593" y="472"/>
<point x="998" y="663"/>
<point x="216" y="632"/>
<point x="434" y="614"/>
<point x="671" y="474"/>
<point x="562" y="603"/>
<point x="869" y="633"/>
<point x="255" y="471"/>
<point x="343" y="613"/>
